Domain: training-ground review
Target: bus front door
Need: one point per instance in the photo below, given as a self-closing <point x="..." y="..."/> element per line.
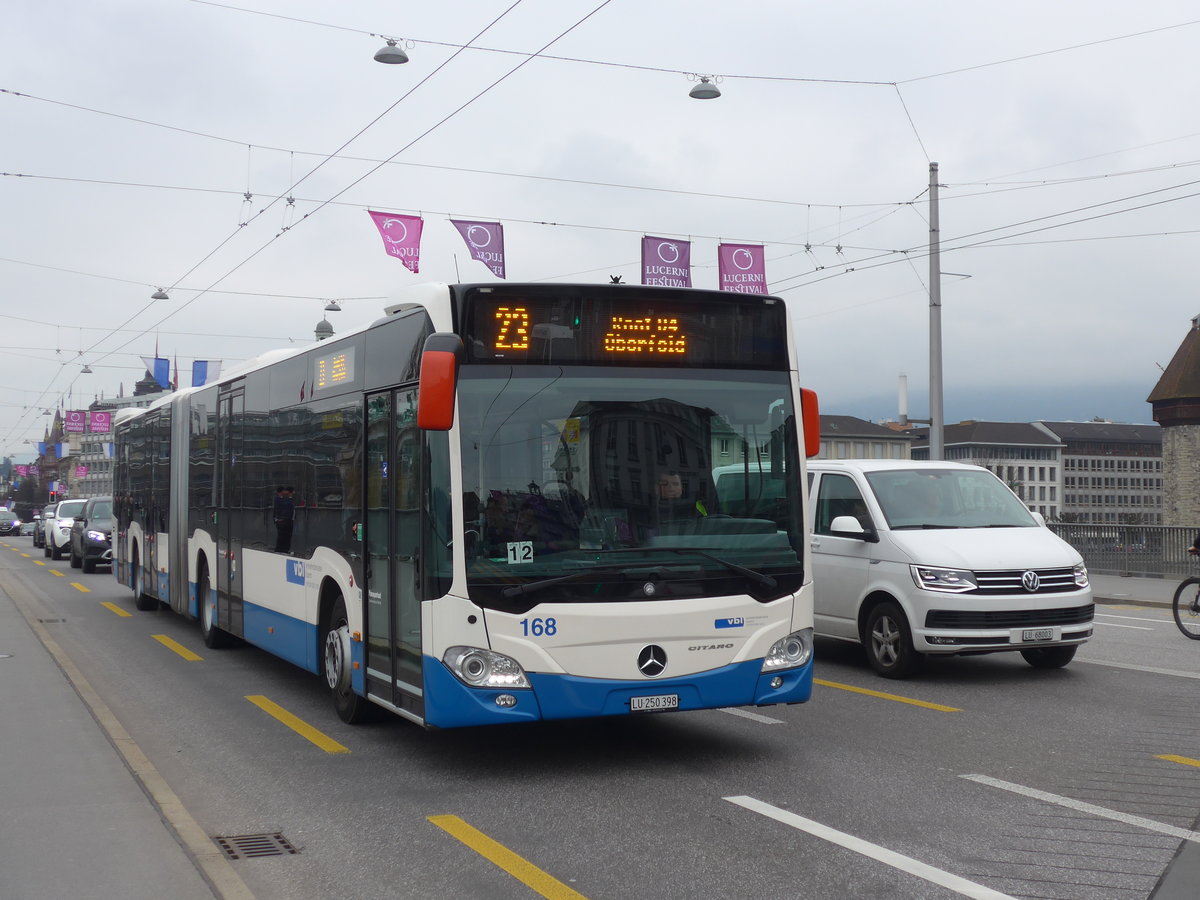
<point x="393" y="502"/>
<point x="230" y="423"/>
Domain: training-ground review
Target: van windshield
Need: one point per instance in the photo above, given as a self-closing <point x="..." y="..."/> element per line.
<point x="947" y="498"/>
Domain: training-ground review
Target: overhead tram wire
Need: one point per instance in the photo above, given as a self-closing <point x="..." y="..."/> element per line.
<point x="367" y="174"/>
<point x="288" y="192"/>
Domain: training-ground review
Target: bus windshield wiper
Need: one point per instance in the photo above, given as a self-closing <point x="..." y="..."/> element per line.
<point x="518" y="590"/>
<point x="757" y="577"/>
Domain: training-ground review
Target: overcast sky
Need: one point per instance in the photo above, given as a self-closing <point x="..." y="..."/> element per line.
<point x="1068" y="147"/>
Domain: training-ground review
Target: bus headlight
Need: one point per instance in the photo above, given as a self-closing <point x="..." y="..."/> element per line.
<point x="790" y="652"/>
<point x="485" y="668"/>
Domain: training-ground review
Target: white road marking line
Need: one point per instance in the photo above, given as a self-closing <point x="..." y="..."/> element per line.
<point x="874" y="851"/>
<point x="1153" y="670"/>
<point x="1133" y="618"/>
<point x="1115" y="625"/>
<point x="1090" y="808"/>
<point x="753" y="716"/>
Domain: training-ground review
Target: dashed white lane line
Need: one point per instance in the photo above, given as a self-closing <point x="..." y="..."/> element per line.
<point x="1089" y="808"/>
<point x="874" y="851"/>
<point x="1153" y="670"/>
<point x="752" y="716"/>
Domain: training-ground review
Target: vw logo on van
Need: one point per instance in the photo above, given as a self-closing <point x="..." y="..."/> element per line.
<point x="1030" y="581"/>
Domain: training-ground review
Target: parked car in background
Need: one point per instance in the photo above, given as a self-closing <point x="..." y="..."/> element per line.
<point x="28" y="529"/>
<point x="9" y="523"/>
<point x="39" y="539"/>
<point x="91" y="535"/>
<point x="58" y="529"/>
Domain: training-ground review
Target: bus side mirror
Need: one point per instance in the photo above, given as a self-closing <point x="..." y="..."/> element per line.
<point x="811" y="421"/>
<point x="439" y="380"/>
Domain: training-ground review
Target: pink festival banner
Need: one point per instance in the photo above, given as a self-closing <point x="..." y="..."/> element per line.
<point x="75" y="420"/>
<point x="21" y="470"/>
<point x="666" y="263"/>
<point x="485" y="240"/>
<point x="401" y="237"/>
<point x="100" y="422"/>
<point x="81" y="471"/>
<point x="742" y="268"/>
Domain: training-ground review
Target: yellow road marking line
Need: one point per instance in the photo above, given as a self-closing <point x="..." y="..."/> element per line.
<point x="496" y="853"/>
<point x="26" y="555"/>
<point x="302" y="728"/>
<point x="116" y="609"/>
<point x="39" y="562"/>
<point x="79" y="587"/>
<point x="56" y="572"/>
<point x="1182" y="760"/>
<point x="176" y="646"/>
<point x="849" y="687"/>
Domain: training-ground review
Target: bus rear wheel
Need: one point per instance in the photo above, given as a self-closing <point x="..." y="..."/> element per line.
<point x="351" y="708"/>
<point x="214" y="637"/>
<point x="141" y="599"/>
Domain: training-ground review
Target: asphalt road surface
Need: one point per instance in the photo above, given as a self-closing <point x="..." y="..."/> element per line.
<point x="980" y="777"/>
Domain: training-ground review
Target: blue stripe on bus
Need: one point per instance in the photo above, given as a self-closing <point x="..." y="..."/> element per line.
<point x="282" y="635"/>
<point x="450" y="703"/>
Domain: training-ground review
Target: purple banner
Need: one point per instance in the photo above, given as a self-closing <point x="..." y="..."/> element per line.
<point x="666" y="263"/>
<point x="100" y="422"/>
<point x="75" y="420"/>
<point x="485" y="240"/>
<point x="81" y="471"/>
<point x="401" y="237"/>
<point x="21" y="470"/>
<point x="742" y="268"/>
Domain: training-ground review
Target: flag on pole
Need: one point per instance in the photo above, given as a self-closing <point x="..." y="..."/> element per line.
<point x="205" y="371"/>
<point x="159" y="368"/>
<point x="485" y="240"/>
<point x="742" y="268"/>
<point x="666" y="263"/>
<point x="401" y="237"/>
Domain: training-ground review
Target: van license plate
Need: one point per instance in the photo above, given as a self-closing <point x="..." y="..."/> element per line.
<point x="650" y="704"/>
<point x="1037" y="634"/>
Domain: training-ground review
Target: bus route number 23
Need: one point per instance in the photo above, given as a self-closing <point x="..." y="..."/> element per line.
<point x="539" y="627"/>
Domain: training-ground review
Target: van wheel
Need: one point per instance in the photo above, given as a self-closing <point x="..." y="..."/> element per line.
<point x="888" y="640"/>
<point x="1049" y="657"/>
<point x="351" y="708"/>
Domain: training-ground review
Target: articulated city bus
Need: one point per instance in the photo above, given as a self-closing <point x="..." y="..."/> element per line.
<point x="494" y="504"/>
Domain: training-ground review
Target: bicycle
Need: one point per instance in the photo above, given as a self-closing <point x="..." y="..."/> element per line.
<point x="1186" y="607"/>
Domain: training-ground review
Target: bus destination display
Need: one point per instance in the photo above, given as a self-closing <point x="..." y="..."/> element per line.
<point x="649" y="332"/>
<point x="333" y="369"/>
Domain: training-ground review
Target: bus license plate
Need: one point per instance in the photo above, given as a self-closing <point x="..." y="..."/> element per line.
<point x="651" y="704"/>
<point x="1037" y="634"/>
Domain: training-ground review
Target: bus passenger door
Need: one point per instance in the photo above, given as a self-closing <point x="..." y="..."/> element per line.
<point x="230" y="443"/>
<point x="392" y="503"/>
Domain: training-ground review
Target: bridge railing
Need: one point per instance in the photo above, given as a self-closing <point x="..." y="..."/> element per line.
<point x="1132" y="549"/>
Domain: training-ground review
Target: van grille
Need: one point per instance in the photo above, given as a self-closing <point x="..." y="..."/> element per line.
<point x="1022" y="618"/>
<point x="1051" y="581"/>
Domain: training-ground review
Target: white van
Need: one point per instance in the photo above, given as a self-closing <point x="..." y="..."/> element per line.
<point x="912" y="558"/>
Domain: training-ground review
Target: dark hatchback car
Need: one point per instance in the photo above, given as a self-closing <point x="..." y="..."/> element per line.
<point x="91" y="535"/>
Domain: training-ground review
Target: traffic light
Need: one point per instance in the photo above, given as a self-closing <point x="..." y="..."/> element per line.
<point x="53" y="496"/>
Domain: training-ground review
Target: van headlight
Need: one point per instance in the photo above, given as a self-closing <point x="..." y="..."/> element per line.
<point x="953" y="581"/>
<point x="1081" y="576"/>
<point x="790" y="652"/>
<point x="477" y="667"/>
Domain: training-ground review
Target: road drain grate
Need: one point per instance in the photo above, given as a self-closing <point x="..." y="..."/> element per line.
<point x="252" y="846"/>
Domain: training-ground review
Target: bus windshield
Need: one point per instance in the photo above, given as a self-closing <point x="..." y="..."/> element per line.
<point x="593" y="484"/>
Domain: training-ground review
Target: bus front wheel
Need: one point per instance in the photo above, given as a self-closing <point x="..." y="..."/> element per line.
<point x="214" y="637"/>
<point x="351" y="708"/>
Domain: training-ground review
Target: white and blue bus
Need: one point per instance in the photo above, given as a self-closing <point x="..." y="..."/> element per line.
<point x="477" y="533"/>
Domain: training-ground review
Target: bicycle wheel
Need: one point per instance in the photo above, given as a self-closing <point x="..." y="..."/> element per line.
<point x="1186" y="607"/>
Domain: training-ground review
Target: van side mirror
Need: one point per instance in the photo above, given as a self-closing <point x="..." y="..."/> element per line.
<point x="850" y="527"/>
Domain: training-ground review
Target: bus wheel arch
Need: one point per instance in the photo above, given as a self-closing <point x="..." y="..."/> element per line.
<point x="336" y="656"/>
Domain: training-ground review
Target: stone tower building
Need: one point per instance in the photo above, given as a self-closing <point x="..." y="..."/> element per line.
<point x="1176" y="404"/>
